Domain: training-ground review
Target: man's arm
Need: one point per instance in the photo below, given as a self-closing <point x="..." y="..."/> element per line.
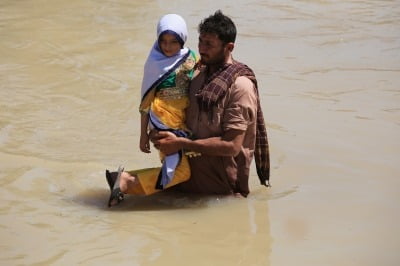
<point x="227" y="145"/>
<point x="232" y="139"/>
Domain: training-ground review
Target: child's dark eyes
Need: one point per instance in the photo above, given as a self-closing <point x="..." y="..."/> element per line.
<point x="173" y="42"/>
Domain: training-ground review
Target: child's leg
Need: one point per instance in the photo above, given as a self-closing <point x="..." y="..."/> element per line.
<point x="127" y="182"/>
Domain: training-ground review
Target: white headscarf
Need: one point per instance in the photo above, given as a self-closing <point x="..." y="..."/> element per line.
<point x="157" y="64"/>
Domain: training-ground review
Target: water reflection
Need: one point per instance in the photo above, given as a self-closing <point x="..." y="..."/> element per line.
<point x="70" y="73"/>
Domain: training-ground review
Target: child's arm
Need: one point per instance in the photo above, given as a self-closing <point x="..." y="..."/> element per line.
<point x="144" y="136"/>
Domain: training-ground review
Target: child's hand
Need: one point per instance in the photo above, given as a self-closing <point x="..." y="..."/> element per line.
<point x="144" y="143"/>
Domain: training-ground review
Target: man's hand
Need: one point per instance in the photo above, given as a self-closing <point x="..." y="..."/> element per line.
<point x="165" y="141"/>
<point x="228" y="145"/>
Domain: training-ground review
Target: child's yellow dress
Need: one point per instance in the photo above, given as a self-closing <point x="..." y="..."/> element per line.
<point x="166" y="104"/>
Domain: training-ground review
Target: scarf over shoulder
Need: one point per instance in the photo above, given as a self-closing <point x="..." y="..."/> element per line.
<point x="216" y="87"/>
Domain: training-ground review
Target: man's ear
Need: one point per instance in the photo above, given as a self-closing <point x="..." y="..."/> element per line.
<point x="229" y="46"/>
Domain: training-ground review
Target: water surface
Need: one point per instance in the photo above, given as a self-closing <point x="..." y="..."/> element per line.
<point x="329" y="75"/>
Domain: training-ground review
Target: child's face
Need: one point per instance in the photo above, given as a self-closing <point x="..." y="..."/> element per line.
<point x="169" y="45"/>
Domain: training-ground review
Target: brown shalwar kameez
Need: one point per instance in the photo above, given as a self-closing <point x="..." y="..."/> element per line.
<point x="236" y="110"/>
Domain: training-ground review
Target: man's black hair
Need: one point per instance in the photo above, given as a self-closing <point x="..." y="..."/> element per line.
<point x="220" y="25"/>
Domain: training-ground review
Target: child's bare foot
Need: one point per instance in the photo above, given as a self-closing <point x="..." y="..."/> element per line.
<point x="120" y="183"/>
<point x="127" y="181"/>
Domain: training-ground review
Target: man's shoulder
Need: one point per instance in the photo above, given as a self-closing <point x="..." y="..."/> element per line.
<point x="244" y="83"/>
<point x="243" y="90"/>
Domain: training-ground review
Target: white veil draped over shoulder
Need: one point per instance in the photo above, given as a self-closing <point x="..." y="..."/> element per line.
<point x="157" y="64"/>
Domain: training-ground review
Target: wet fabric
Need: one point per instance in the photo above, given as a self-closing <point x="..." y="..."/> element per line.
<point x="166" y="108"/>
<point x="165" y="89"/>
<point x="237" y="110"/>
<point x="216" y="86"/>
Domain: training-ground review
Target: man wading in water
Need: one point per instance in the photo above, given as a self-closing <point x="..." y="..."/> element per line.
<point x="224" y="116"/>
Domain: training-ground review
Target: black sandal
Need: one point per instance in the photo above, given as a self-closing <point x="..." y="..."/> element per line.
<point x="111" y="177"/>
<point x="116" y="195"/>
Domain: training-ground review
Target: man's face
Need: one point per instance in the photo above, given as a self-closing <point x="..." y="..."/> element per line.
<point x="212" y="50"/>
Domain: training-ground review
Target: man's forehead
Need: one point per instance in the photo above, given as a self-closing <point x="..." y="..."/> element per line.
<point x="209" y="36"/>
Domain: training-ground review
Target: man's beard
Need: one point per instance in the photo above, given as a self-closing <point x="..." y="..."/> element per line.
<point x="218" y="60"/>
